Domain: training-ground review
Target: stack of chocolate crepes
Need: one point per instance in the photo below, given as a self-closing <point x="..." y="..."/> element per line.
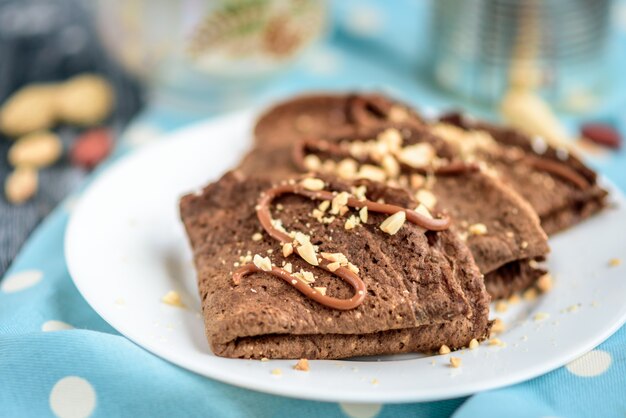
<point x="356" y="227"/>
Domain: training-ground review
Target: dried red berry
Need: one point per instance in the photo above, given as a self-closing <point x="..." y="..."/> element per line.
<point x="602" y="134"/>
<point x="91" y="147"/>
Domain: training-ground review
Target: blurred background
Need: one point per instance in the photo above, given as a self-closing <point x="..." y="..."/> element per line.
<point x="81" y="80"/>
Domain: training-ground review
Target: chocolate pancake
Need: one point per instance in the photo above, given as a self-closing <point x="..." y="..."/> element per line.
<point x="560" y="188"/>
<point x="512" y="236"/>
<point x="422" y="287"/>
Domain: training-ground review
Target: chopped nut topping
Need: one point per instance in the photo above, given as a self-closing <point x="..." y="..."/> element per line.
<point x="343" y="210"/>
<point x="257" y="236"/>
<point x="614" y="262"/>
<point x="544" y="283"/>
<point x="363" y="214"/>
<point x="391" y="166"/>
<point x="307" y="252"/>
<point x="524" y="245"/>
<point x="501" y="306"/>
<point x="288" y="267"/>
<point x="339" y="201"/>
<point x="324" y="205"/>
<point x="302" y="238"/>
<point x="418" y="155"/>
<point x="305" y="276"/>
<point x="347" y="168"/>
<point x="498" y="326"/>
<point x="329" y="166"/>
<point x="277" y="372"/>
<point x="263" y="263"/>
<point x="398" y="114"/>
<point x="287" y="249"/>
<point x="321" y="290"/>
<point x="359" y="192"/>
<point x="444" y="350"/>
<point x="371" y="172"/>
<point x="455" y="362"/>
<point x="393" y="223"/>
<point x="333" y="266"/>
<point x="264" y="359"/>
<point x="313" y="184"/>
<point x="302" y="365"/>
<point x="477" y="229"/>
<point x="173" y="298"/>
<point x="427" y="198"/>
<point x="473" y="344"/>
<point x="312" y="162"/>
<point x="354" y="269"/>
<point x="340" y="257"/>
<point x="423" y="210"/>
<point x="417" y="181"/>
<point x="540" y="316"/>
<point x="351" y="223"/>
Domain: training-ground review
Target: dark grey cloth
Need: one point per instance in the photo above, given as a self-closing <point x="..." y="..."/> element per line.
<point x="50" y="40"/>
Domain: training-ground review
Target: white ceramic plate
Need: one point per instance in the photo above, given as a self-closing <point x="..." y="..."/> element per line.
<point x="126" y="248"/>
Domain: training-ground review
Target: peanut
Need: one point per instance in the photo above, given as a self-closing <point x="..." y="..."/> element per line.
<point x="39" y="149"/>
<point x="21" y="185"/>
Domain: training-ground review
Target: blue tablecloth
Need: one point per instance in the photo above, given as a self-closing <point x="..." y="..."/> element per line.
<point x="57" y="356"/>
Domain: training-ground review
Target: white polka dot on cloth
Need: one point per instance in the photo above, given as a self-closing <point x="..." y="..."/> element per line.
<point x="20" y="281"/>
<point x="361" y="410"/>
<point x="55" y="325"/>
<point x="72" y="397"/>
<point x="594" y="363"/>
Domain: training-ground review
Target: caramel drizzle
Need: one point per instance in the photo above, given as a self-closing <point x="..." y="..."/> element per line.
<point x="360" y="290"/>
<point x="337" y="149"/>
<point x="558" y="169"/>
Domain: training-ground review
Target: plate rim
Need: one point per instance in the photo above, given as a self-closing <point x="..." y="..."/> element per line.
<point x="406" y="396"/>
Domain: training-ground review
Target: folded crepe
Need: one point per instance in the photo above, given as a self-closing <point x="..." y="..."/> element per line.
<point x="508" y="252"/>
<point x="560" y="188"/>
<point x="422" y="288"/>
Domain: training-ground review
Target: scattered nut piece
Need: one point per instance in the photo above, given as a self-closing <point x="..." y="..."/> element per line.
<point x="477" y="229"/>
<point x="514" y="299"/>
<point x="276" y="372"/>
<point x="393" y="223"/>
<point x="39" y="149"/>
<point x="351" y="223"/>
<point x="524" y="245"/>
<point x="264" y="359"/>
<point x="498" y="326"/>
<point x="390" y="137"/>
<point x="302" y="365"/>
<point x="340" y="201"/>
<point x="287" y="249"/>
<point x="497" y="341"/>
<point x="417" y="181"/>
<point x="455" y="362"/>
<point x="540" y="316"/>
<point x="312" y="184"/>
<point x="21" y="185"/>
<point x="257" y="236"/>
<point x="288" y="267"/>
<point x="614" y="262"/>
<point x="423" y="210"/>
<point x="363" y="214"/>
<point x="530" y="294"/>
<point x="444" y="349"/>
<point x="173" y="298"/>
<point x="501" y="306"/>
<point x="320" y="290"/>
<point x="263" y="263"/>
<point x="545" y="283"/>
<point x="473" y="344"/>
